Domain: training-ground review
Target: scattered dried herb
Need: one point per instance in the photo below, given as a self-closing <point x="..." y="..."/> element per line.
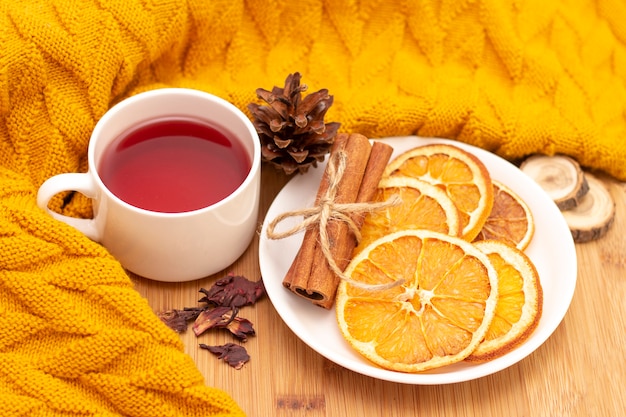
<point x="234" y="355"/>
<point x="178" y="320"/>
<point x="233" y="291"/>
<point x="210" y="318"/>
<point x="241" y="328"/>
<point x="223" y="318"/>
<point x="223" y="301"/>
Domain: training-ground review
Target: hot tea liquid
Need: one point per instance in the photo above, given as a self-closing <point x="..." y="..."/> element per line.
<point x="174" y="165"/>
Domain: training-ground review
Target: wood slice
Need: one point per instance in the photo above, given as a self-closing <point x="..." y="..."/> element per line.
<point x="594" y="214"/>
<point x="560" y="176"/>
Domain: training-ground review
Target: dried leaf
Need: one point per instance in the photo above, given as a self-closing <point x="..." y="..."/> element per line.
<point x="235" y="355"/>
<point x="233" y="291"/>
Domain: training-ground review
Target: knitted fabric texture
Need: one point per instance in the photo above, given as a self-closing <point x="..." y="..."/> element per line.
<point x="514" y="78"/>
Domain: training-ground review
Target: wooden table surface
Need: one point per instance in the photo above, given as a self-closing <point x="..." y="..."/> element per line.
<point x="579" y="371"/>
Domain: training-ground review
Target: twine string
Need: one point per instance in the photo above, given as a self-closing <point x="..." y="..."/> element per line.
<point x="328" y="209"/>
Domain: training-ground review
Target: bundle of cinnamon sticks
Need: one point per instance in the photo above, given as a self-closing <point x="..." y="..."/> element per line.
<point x="310" y="274"/>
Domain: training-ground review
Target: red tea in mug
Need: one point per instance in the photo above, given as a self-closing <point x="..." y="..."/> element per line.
<point x="174" y="165"/>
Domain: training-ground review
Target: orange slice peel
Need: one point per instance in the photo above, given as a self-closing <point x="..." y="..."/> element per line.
<point x="520" y="301"/>
<point x="510" y="220"/>
<point x="422" y="206"/>
<point x="458" y="172"/>
<point x="436" y="317"/>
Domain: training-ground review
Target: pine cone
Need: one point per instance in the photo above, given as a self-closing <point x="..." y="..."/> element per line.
<point x="291" y="129"/>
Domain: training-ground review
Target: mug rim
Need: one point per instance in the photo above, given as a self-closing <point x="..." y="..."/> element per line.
<point x="255" y="162"/>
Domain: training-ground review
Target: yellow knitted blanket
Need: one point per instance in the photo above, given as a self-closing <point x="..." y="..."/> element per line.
<point x="514" y="77"/>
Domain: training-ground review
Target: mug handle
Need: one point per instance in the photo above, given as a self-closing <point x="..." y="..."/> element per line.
<point x="83" y="183"/>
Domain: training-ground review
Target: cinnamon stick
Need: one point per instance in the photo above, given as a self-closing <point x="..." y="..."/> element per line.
<point x="300" y="270"/>
<point x="379" y="158"/>
<point x="310" y="275"/>
<point x="322" y="283"/>
<point x="345" y="241"/>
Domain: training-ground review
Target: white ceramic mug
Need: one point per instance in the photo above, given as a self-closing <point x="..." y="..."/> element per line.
<point x="162" y="246"/>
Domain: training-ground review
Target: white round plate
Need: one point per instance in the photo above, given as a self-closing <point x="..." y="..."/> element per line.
<point x="551" y="250"/>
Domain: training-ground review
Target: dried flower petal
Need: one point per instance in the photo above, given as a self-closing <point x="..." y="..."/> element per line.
<point x="213" y="318"/>
<point x="241" y="328"/>
<point x="178" y="320"/>
<point x="233" y="291"/>
<point x="235" y="355"/>
<point x="223" y="318"/>
<point x="224" y="299"/>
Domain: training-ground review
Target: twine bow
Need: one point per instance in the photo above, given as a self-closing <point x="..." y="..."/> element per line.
<point x="328" y="209"/>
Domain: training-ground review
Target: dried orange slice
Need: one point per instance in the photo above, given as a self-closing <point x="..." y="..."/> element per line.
<point x="435" y="317"/>
<point x="510" y="220"/>
<point x="422" y="206"/>
<point x="520" y="301"/>
<point x="462" y="175"/>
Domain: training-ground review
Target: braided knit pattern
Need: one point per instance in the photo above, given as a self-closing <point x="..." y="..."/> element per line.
<point x="75" y="337"/>
<point x="513" y="77"/>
